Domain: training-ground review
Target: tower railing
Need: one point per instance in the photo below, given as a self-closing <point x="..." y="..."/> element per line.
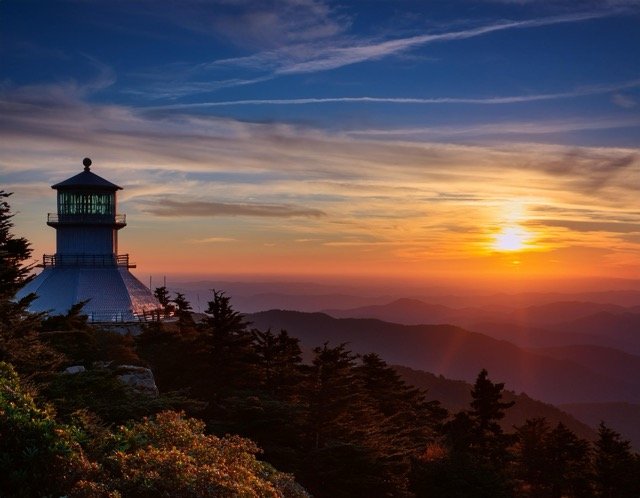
<point x="87" y="260"/>
<point x="57" y="219"/>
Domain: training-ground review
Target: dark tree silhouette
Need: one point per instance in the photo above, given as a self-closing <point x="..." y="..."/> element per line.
<point x="616" y="468"/>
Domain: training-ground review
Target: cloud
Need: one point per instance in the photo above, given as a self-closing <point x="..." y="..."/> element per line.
<point x="623" y="101"/>
<point x="170" y="208"/>
<point x="307" y="58"/>
<point x="582" y="91"/>
<point x="361" y="192"/>
<point x="588" y="225"/>
<point x="502" y="129"/>
<point x="210" y="240"/>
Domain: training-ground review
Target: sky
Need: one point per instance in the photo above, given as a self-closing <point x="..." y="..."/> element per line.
<point x="433" y="139"/>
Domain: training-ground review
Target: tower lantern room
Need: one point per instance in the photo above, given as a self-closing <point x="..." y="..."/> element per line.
<point x="86" y="222"/>
<point x="86" y="266"/>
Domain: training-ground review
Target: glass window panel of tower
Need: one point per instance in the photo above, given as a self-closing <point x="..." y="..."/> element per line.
<point x="86" y="203"/>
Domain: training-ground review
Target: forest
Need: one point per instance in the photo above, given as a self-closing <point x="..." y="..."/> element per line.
<point x="247" y="412"/>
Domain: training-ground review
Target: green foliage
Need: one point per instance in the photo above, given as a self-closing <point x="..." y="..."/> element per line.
<point x="75" y="319"/>
<point x="472" y="461"/>
<point x="14" y="251"/>
<point x="19" y="342"/>
<point x="38" y="455"/>
<point x="183" y="311"/>
<point x="91" y="345"/>
<point x="169" y="455"/>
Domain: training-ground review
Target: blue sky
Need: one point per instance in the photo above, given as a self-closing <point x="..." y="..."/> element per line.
<point x="282" y="130"/>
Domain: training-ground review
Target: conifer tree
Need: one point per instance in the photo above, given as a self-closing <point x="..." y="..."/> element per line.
<point x="616" y="468"/>
<point x="183" y="311"/>
<point x="14" y="274"/>
<point x="487" y="409"/>
<point x="279" y="360"/>
<point x="226" y="345"/>
<point x="568" y="459"/>
<point x="19" y="341"/>
<point x="531" y="457"/>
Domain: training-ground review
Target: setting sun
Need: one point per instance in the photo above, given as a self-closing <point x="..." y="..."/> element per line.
<point x="512" y="238"/>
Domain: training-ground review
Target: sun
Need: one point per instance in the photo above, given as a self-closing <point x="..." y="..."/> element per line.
<point x="511" y="238"/>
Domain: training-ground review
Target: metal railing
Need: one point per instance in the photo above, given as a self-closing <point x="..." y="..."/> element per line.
<point x="57" y="219"/>
<point x="120" y="316"/>
<point x="87" y="260"/>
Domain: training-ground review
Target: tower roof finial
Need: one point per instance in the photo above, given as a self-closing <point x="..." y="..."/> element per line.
<point x="87" y="162"/>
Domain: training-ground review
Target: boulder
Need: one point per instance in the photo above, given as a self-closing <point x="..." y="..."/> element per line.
<point x="139" y="378"/>
<point x="74" y="369"/>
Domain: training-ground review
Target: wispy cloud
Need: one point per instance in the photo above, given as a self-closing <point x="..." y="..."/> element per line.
<point x="582" y="91"/>
<point x="501" y="129"/>
<point x="211" y="240"/>
<point x="624" y="101"/>
<point x="170" y="208"/>
<point x="309" y="59"/>
<point x="589" y="226"/>
<point x="364" y="193"/>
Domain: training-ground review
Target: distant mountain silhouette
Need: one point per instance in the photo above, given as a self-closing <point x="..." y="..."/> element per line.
<point x="455" y="353"/>
<point x="621" y="417"/>
<point x="606" y="361"/>
<point x="560" y="323"/>
<point x="455" y="395"/>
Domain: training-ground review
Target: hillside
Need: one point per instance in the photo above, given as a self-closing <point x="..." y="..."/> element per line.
<point x="455" y="353"/>
<point x="622" y="417"/>
<point x="455" y="395"/>
<point x="560" y="323"/>
<point x="606" y="361"/>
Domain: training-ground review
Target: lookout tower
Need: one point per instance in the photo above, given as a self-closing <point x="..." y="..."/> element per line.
<point x="86" y="265"/>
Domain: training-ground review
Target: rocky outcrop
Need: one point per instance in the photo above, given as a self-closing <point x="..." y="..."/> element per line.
<point x="139" y="378"/>
<point x="74" y="370"/>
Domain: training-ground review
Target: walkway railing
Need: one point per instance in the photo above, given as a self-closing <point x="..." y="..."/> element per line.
<point x="89" y="260"/>
<point x="58" y="219"/>
<point x="119" y="316"/>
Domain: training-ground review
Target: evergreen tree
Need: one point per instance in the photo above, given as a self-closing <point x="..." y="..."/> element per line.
<point x="568" y="459"/>
<point x="340" y="428"/>
<point x="279" y="361"/>
<point x="531" y="457"/>
<point x="472" y="462"/>
<point x="616" y="467"/>
<point x="162" y="295"/>
<point x="183" y="310"/>
<point x="19" y="341"/>
<point x="489" y="440"/>
<point x="226" y="345"/>
<point x="405" y="422"/>
<point x="14" y="274"/>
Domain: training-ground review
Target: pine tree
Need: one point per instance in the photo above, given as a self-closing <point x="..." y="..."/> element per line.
<point x="14" y="274"/>
<point x="279" y="361"/>
<point x="226" y="345"/>
<point x="616" y="467"/>
<point x="568" y="459"/>
<point x="341" y="429"/>
<point x="487" y="410"/>
<point x="183" y="311"/>
<point x="531" y="457"/>
<point x="405" y="422"/>
<point x="19" y="341"/>
<point x="162" y="295"/>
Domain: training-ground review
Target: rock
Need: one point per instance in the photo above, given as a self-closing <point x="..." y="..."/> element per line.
<point x="74" y="369"/>
<point x="139" y="378"/>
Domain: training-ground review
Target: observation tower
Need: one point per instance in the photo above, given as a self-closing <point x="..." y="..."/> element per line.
<point x="86" y="265"/>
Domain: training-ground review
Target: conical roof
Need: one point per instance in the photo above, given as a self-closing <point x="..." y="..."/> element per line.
<point x="113" y="294"/>
<point x="86" y="180"/>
